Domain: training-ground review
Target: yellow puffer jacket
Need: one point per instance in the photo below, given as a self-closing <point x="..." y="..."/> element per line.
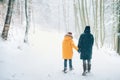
<point x="67" y="47"/>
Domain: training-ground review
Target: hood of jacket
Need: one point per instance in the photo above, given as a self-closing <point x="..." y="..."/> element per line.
<point x="66" y="38"/>
<point x="87" y="29"/>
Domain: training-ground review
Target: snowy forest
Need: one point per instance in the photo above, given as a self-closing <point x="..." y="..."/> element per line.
<point x="64" y="15"/>
<point x="34" y="22"/>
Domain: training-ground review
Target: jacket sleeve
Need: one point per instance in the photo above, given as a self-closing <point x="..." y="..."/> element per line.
<point x="73" y="45"/>
<point x="92" y="40"/>
<point x="80" y="41"/>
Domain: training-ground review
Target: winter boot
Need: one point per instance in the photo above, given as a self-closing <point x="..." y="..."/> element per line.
<point x="65" y="70"/>
<point x="84" y="70"/>
<point x="71" y="68"/>
<point x="89" y="67"/>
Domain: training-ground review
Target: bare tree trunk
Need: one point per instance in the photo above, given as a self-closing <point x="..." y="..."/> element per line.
<point x="83" y="11"/>
<point x="96" y="28"/>
<point x="68" y="14"/>
<point x="77" y="26"/>
<point x="114" y="38"/>
<point x="93" y="6"/>
<point x="118" y="46"/>
<point x="101" y="23"/>
<point x="2" y="12"/>
<point x="86" y="8"/>
<point x="28" y="16"/>
<point x="8" y="19"/>
<point x="21" y="10"/>
<point x="64" y="13"/>
<point x="59" y="16"/>
<point x="118" y="7"/>
<point x="81" y="15"/>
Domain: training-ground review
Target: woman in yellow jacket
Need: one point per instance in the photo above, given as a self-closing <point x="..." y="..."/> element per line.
<point x="67" y="50"/>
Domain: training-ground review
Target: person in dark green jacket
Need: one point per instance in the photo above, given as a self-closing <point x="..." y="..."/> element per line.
<point x="85" y="45"/>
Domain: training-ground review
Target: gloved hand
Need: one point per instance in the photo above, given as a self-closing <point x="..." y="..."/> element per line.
<point x="79" y="50"/>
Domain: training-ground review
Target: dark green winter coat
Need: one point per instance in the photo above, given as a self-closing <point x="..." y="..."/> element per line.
<point x="85" y="44"/>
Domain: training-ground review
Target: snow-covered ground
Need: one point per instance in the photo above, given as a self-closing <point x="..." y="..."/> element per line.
<point x="41" y="59"/>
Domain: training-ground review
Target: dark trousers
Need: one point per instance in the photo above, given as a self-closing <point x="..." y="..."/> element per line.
<point x="86" y="65"/>
<point x="86" y="62"/>
<point x="65" y="63"/>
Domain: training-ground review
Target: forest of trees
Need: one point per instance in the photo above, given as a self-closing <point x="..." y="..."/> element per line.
<point x="99" y="14"/>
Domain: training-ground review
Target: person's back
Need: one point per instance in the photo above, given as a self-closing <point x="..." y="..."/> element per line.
<point x="67" y="47"/>
<point x="85" y="45"/>
<point x="87" y="40"/>
<point x="67" y="50"/>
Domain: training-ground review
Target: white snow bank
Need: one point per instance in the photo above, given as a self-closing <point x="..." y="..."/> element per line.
<point x="41" y="60"/>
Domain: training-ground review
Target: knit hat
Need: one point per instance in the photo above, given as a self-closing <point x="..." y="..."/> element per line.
<point x="69" y="34"/>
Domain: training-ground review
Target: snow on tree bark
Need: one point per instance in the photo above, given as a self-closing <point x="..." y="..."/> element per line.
<point x="8" y="19"/>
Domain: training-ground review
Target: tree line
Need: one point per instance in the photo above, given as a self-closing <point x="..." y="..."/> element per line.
<point x="95" y="13"/>
<point x="9" y="13"/>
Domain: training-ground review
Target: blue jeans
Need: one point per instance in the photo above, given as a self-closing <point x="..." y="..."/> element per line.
<point x="65" y="63"/>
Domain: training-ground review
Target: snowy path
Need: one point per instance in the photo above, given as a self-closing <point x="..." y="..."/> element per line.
<point x="42" y="61"/>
